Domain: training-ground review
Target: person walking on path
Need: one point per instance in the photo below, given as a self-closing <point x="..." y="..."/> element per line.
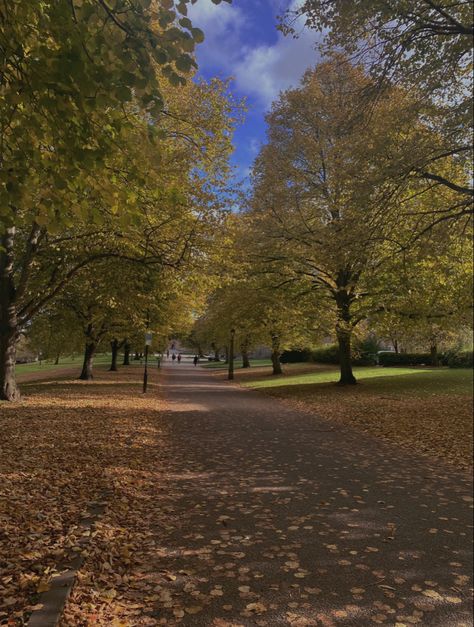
<point x="167" y="353"/>
<point x="173" y="356"/>
<point x="195" y="360"/>
<point x="179" y="358"/>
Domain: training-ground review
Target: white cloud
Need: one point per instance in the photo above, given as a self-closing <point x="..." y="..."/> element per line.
<point x="261" y="71"/>
<point x="222" y="25"/>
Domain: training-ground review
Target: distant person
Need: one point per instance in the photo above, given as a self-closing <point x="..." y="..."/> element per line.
<point x="173" y="356"/>
<point x="179" y="358"/>
<point x="158" y="361"/>
<point x="167" y="353"/>
<point x="195" y="360"/>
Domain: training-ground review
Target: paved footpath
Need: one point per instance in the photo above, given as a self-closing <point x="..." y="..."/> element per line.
<point x="275" y="517"/>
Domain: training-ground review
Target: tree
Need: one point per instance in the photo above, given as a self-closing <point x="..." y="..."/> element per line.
<point x="155" y="202"/>
<point x="421" y="44"/>
<point x="431" y="300"/>
<point x="331" y="190"/>
<point x="54" y="333"/>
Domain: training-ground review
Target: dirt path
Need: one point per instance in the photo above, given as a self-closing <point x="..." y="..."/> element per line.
<point x="273" y="517"/>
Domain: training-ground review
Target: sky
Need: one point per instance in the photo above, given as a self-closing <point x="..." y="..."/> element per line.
<point x="243" y="43"/>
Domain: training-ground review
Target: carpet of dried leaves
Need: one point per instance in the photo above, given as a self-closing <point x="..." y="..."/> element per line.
<point x="64" y="446"/>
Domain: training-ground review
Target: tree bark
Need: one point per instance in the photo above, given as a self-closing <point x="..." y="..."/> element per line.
<point x="56" y="361"/>
<point x="89" y="352"/>
<point x="114" y="345"/>
<point x="244" y="349"/>
<point x="216" y="352"/>
<point x="276" y="354"/>
<point x="126" y="353"/>
<point x="344" y="333"/>
<point x="434" y="356"/>
<point x="8" y="319"/>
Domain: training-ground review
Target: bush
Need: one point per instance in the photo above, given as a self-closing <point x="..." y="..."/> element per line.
<point x="326" y="354"/>
<point x="295" y="356"/>
<point x="404" y="359"/>
<point x="463" y="359"/>
<point x="330" y="355"/>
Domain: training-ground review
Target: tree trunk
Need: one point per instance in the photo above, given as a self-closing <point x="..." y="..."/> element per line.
<point x="276" y="354"/>
<point x="8" y="320"/>
<point x="56" y="361"/>
<point x="126" y="353"/>
<point x="344" y="332"/>
<point x="395" y="346"/>
<point x="434" y="356"/>
<point x="89" y="351"/>
<point x="344" y="341"/>
<point x="114" y="345"/>
<point x="245" y="359"/>
<point x="245" y="353"/>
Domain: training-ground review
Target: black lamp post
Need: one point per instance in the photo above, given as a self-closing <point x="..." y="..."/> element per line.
<point x="147" y="344"/>
<point x="231" y="355"/>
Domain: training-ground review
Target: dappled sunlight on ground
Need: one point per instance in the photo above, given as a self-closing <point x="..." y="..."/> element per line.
<point x="232" y="509"/>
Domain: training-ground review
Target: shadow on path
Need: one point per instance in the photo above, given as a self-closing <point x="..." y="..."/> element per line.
<point x="275" y="517"/>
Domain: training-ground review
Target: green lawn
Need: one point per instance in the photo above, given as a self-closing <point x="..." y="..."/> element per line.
<point x="237" y="363"/>
<point x="421" y="380"/>
<point x="66" y="362"/>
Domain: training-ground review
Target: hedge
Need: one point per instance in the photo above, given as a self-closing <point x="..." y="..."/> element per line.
<point x="464" y="359"/>
<point x="295" y="356"/>
<point x="330" y="355"/>
<point x="404" y="359"/>
<point x="326" y="354"/>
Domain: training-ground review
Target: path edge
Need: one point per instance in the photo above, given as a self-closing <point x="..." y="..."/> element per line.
<point x="54" y="599"/>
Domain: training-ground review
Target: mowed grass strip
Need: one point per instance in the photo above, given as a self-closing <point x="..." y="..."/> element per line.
<point x="256" y="363"/>
<point x="426" y="410"/>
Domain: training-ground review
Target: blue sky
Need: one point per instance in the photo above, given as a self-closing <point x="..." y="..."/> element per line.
<point x="242" y="42"/>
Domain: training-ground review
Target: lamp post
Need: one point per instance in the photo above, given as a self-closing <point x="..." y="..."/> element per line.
<point x="147" y="344"/>
<point x="231" y="355"/>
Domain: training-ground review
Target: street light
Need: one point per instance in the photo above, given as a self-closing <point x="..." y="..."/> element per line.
<point x="231" y="355"/>
<point x="148" y="337"/>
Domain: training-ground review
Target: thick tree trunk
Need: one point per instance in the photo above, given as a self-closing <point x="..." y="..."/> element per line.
<point x="276" y="354"/>
<point x="344" y="333"/>
<point x="114" y="345"/>
<point x="245" y="359"/>
<point x="89" y="352"/>
<point x="344" y="341"/>
<point x="434" y="356"/>
<point x="8" y="319"/>
<point x="8" y="388"/>
<point x="126" y="353"/>
<point x="56" y="361"/>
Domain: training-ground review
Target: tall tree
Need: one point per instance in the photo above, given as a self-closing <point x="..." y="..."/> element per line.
<point x="330" y="191"/>
<point x="154" y="201"/>
<point x="421" y="44"/>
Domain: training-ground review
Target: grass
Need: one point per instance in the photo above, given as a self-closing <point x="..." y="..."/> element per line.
<point x="237" y="364"/>
<point x="407" y="379"/>
<point x="66" y="362"/>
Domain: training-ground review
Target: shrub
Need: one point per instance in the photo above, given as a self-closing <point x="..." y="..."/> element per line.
<point x="404" y="359"/>
<point x="463" y="359"/>
<point x="330" y="355"/>
<point x="295" y="356"/>
<point x="326" y="354"/>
